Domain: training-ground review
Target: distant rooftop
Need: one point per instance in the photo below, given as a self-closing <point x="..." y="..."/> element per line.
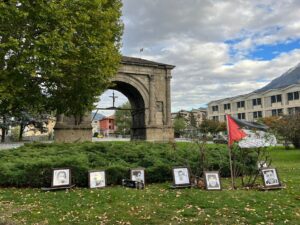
<point x="144" y="62"/>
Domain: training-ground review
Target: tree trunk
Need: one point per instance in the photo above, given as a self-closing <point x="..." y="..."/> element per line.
<point x="21" y="132"/>
<point x="3" y="135"/>
<point x="296" y="143"/>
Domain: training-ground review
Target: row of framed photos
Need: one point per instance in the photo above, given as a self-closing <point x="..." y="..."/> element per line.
<point x="61" y="177"/>
<point x="213" y="182"/>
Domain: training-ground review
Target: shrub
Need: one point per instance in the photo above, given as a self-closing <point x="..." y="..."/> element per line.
<point x="31" y="165"/>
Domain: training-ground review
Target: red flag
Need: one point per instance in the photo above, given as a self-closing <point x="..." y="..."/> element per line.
<point x="235" y="133"/>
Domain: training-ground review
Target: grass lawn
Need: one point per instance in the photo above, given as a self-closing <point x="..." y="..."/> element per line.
<point x="158" y="204"/>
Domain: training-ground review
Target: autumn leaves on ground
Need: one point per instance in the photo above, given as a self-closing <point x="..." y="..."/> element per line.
<point x="158" y="204"/>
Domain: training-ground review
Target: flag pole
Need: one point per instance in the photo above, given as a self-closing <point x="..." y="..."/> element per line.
<point x="230" y="153"/>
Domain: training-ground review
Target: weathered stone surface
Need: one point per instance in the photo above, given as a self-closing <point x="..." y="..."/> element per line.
<point x="146" y="84"/>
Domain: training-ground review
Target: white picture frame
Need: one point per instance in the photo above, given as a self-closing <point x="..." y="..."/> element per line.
<point x="97" y="179"/>
<point x="270" y="177"/>
<point x="61" y="177"/>
<point x="212" y="180"/>
<point x="138" y="174"/>
<point x="181" y="176"/>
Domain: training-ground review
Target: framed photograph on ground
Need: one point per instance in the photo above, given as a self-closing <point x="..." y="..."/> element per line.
<point x="212" y="180"/>
<point x="97" y="179"/>
<point x="270" y="177"/>
<point x="138" y="174"/>
<point x="61" y="177"/>
<point x="181" y="176"/>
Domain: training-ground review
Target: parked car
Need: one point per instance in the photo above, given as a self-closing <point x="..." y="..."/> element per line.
<point x="220" y="139"/>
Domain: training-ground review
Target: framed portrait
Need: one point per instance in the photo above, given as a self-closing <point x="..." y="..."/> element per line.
<point x="181" y="176"/>
<point x="138" y="174"/>
<point x="97" y="179"/>
<point x="212" y="180"/>
<point x="61" y="177"/>
<point x="270" y="177"/>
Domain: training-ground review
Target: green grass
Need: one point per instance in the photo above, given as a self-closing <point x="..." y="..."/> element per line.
<point x="158" y="204"/>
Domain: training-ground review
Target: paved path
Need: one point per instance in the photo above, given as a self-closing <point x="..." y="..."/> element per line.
<point x="10" y="145"/>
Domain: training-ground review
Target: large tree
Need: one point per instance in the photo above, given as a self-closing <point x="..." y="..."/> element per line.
<point x="212" y="127"/>
<point x="286" y="127"/>
<point x="58" y="55"/>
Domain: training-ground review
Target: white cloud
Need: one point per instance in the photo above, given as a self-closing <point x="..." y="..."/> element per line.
<point x="194" y="35"/>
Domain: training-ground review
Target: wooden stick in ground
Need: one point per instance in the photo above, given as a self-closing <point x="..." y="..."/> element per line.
<point x="231" y="169"/>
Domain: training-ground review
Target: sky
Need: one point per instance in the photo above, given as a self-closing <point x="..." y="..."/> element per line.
<point x="220" y="48"/>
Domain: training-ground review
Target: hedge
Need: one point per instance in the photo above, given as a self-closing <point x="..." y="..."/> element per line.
<point x="31" y="165"/>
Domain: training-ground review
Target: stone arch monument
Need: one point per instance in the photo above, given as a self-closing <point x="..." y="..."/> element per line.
<point x="146" y="84"/>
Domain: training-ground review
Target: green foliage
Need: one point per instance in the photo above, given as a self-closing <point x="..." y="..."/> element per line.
<point x="286" y="127"/>
<point x="15" y="132"/>
<point x="179" y="126"/>
<point x="123" y="119"/>
<point x="212" y="127"/>
<point x="58" y="55"/>
<point x="31" y="165"/>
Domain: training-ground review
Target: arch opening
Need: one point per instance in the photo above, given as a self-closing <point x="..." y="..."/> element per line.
<point x="136" y="110"/>
<point x="138" y="124"/>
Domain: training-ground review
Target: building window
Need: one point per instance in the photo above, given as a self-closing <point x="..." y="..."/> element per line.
<point x="241" y="116"/>
<point x="227" y="106"/>
<point x="293" y="96"/>
<point x="256" y="101"/>
<point x="275" y="98"/>
<point x="277" y="112"/>
<point x="257" y="114"/>
<point x="215" y="118"/>
<point x="215" y="108"/>
<point x="241" y="104"/>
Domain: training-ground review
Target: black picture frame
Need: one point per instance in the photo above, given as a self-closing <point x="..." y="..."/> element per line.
<point x="184" y="179"/>
<point x="208" y="185"/>
<point x="91" y="186"/>
<point x="55" y="182"/>
<point x="142" y="170"/>
<point x="272" y="180"/>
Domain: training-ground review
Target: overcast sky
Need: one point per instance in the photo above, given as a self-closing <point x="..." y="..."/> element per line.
<point x="220" y="48"/>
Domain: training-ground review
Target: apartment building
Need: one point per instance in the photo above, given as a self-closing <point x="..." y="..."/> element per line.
<point x="250" y="107"/>
<point x="199" y="115"/>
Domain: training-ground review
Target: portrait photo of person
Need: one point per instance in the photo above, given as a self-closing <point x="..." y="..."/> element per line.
<point x="270" y="177"/>
<point x="138" y="175"/>
<point x="181" y="176"/>
<point x="97" y="179"/>
<point x="212" y="180"/>
<point x="61" y="177"/>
